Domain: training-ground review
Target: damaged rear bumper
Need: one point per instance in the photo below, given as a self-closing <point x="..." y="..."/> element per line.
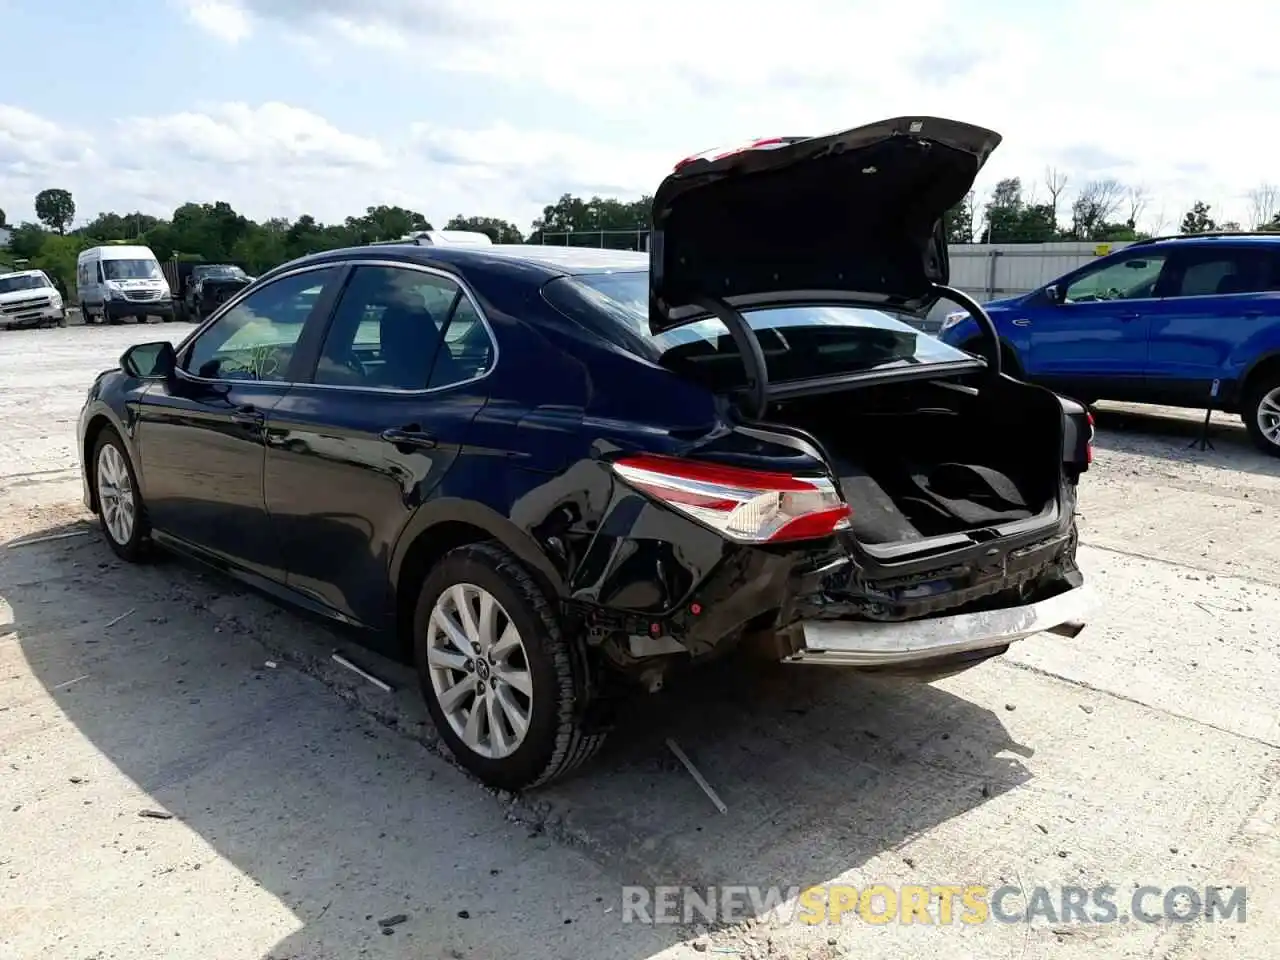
<point x="854" y="643"/>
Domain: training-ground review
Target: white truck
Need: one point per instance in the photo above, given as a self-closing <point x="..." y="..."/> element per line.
<point x="28" y="298"/>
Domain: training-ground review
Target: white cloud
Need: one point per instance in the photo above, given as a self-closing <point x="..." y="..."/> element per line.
<point x="225" y="19"/>
<point x="1176" y="96"/>
<point x="280" y="160"/>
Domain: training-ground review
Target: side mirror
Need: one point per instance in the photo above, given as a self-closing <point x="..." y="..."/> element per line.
<point x="1055" y="293"/>
<point x="150" y="361"/>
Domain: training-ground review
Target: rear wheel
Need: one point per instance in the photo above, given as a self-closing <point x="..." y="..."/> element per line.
<point x="120" y="508"/>
<point x="1261" y="413"/>
<point x="499" y="676"/>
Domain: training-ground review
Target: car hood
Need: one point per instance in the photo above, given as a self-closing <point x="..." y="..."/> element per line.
<point x="30" y="293"/>
<point x="854" y="217"/>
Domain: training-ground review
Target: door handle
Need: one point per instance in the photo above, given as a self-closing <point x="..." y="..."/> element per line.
<point x="408" y="438"/>
<point x="247" y="415"/>
<point x="1126" y="317"/>
<point x="1252" y="314"/>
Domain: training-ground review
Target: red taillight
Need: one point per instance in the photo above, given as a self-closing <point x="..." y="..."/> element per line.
<point x="751" y="506"/>
<point x="1092" y="433"/>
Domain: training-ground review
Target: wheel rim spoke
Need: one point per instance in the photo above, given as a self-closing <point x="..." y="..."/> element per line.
<point x="517" y="678"/>
<point x="471" y="732"/>
<point x="443" y="659"/>
<point x="441" y="618"/>
<point x="499" y="740"/>
<point x="514" y="713"/>
<point x="478" y="670"/>
<point x="452" y="699"/>
<point x="466" y="616"/>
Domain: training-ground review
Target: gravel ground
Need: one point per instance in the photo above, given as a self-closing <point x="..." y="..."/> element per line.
<point x="305" y="805"/>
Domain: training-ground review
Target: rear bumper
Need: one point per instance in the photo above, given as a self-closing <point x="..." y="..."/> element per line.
<point x="851" y="643"/>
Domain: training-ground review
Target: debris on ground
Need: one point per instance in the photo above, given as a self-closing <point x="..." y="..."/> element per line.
<point x="155" y="814"/>
<point x="45" y="539"/>
<point x="394" y="921"/>
<point x="693" y="772"/>
<point x="380" y="684"/>
<point x="111" y="623"/>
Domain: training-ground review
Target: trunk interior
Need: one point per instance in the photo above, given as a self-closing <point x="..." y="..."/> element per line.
<point x="928" y="459"/>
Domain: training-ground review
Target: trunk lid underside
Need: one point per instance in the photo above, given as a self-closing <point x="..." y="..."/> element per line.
<point x="855" y="217"/>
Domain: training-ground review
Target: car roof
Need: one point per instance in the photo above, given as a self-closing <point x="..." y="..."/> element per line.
<point x="22" y="273"/>
<point x="1205" y="239"/>
<point x="545" y="261"/>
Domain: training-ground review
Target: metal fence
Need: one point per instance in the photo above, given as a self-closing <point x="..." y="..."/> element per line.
<point x="637" y="239"/>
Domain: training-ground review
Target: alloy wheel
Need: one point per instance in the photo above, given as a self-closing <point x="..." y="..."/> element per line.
<point x="1268" y="416"/>
<point x="116" y="498"/>
<point x="479" y="671"/>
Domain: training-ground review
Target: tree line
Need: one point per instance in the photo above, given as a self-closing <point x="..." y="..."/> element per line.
<point x="1101" y="210"/>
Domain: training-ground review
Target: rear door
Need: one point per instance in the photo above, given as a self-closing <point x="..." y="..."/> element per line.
<point x="352" y="453"/>
<point x="1215" y="299"/>
<point x="1094" y="344"/>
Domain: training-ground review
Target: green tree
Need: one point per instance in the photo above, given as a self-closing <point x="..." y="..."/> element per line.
<point x="1010" y="219"/>
<point x="107" y="227"/>
<point x="959" y="221"/>
<point x="499" y="231"/>
<point x="27" y="240"/>
<point x="570" y="217"/>
<point x="55" y="209"/>
<point x="1198" y="220"/>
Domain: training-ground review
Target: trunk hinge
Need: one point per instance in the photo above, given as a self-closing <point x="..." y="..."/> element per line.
<point x="974" y="308"/>
<point x="749" y="346"/>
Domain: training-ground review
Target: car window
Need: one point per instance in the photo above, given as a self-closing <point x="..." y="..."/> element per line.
<point x="132" y="270"/>
<point x="467" y="352"/>
<point x="386" y="329"/>
<point x="1129" y="278"/>
<point x="255" y="339"/>
<point x="1221" y="273"/>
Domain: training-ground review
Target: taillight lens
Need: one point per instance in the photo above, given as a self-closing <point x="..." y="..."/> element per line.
<point x="749" y="506"/>
<point x="1092" y="433"/>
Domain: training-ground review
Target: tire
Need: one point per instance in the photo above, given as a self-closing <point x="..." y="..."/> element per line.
<point x="553" y="743"/>
<point x="62" y="320"/>
<point x="1261" y="413"/>
<point x="119" y="469"/>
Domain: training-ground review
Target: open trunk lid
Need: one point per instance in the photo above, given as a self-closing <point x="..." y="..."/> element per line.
<point x="854" y="217"/>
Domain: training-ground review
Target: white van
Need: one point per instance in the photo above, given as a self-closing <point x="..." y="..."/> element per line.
<point x="116" y="281"/>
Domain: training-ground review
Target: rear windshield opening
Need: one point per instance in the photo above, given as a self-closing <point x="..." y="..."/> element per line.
<point x="798" y="342"/>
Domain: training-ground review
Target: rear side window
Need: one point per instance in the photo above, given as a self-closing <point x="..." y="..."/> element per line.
<point x="798" y="343"/>
<point x="1223" y="272"/>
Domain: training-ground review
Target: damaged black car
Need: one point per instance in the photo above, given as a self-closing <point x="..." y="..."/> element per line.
<point x="549" y="476"/>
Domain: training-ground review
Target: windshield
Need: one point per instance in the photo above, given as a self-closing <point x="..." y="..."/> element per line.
<point x="798" y="342"/>
<point x="131" y="270"/>
<point x="218" y="270"/>
<point x="26" y="281"/>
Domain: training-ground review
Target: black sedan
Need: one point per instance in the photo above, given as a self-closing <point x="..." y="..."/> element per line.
<point x="553" y="475"/>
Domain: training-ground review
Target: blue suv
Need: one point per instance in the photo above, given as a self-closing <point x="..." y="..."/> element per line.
<point x="1186" y="321"/>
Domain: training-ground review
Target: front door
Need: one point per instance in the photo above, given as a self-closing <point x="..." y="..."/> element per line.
<point x="1093" y="344"/>
<point x="352" y="455"/>
<point x="201" y="437"/>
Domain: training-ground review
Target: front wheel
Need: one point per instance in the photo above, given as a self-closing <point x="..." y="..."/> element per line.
<point x="1261" y="414"/>
<point x="120" y="508"/>
<point x="499" y="676"/>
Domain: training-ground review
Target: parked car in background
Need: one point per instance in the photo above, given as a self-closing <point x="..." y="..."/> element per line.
<point x="1186" y="321"/>
<point x="553" y="475"/>
<point x="28" y="298"/>
<point x="117" y="281"/>
<point x="208" y="286"/>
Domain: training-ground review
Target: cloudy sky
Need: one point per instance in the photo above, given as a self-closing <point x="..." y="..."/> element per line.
<point x="496" y="107"/>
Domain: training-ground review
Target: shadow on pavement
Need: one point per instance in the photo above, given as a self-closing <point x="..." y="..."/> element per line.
<point x="343" y="820"/>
